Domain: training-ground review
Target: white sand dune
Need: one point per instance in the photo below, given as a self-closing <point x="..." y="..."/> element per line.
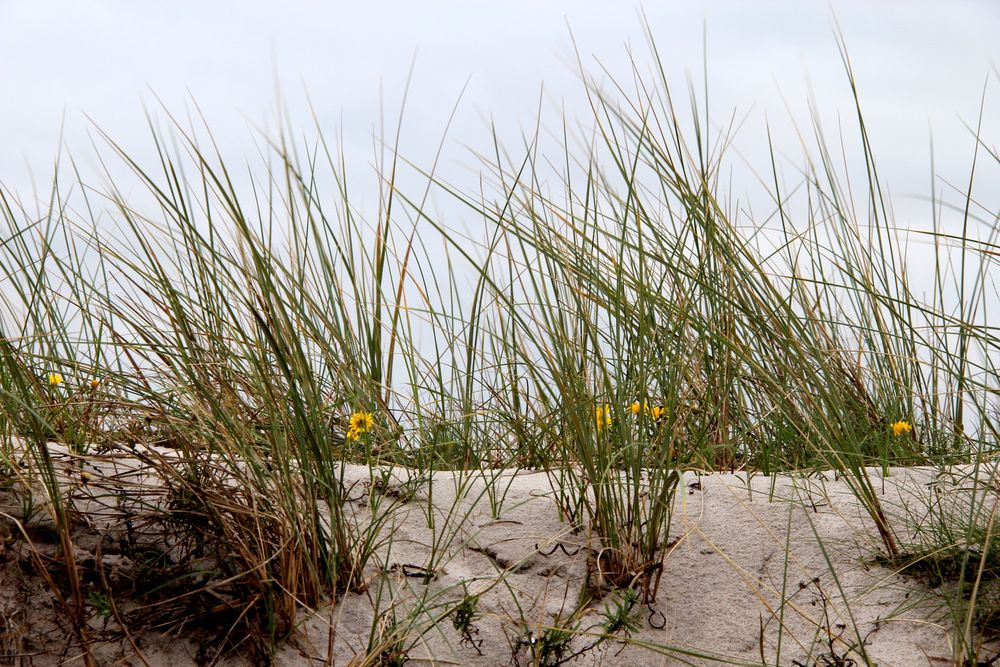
<point x="771" y="569"/>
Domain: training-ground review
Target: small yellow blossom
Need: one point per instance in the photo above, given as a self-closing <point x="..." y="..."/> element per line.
<point x="352" y="434"/>
<point x="95" y="383"/>
<point x="901" y="428"/>
<point x="361" y="422"/>
<point x="603" y="416"/>
<point x="636" y="408"/>
<point x="656" y="412"/>
<point x="55" y="379"/>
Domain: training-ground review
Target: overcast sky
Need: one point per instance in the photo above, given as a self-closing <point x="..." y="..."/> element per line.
<point x="919" y="65"/>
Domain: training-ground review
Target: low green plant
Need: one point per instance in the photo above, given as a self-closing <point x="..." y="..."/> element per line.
<point x="464" y="618"/>
<point x="567" y="638"/>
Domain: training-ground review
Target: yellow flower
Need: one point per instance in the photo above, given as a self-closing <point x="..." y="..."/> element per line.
<point x="95" y="383"/>
<point x="361" y="422"/>
<point x="352" y="434"/>
<point x="901" y="428"/>
<point x="55" y="379"/>
<point x="635" y="408"/>
<point x="603" y="416"/>
<point x="656" y="412"/>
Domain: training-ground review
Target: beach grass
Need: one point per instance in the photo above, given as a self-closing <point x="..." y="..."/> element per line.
<point x="613" y="322"/>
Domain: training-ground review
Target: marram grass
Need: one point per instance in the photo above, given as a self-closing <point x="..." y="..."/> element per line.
<point x="612" y="335"/>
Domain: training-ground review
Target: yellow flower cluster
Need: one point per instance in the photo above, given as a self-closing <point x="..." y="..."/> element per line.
<point x="654" y="411"/>
<point x="901" y="428"/>
<point x="57" y="380"/>
<point x="602" y="414"/>
<point x="360" y="423"/>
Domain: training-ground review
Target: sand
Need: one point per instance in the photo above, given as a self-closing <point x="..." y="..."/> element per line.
<point x="738" y="547"/>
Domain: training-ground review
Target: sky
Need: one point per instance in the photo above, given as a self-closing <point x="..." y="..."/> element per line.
<point x="67" y="68"/>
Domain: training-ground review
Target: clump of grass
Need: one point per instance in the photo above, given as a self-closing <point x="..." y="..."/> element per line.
<point x="951" y="525"/>
<point x="611" y="335"/>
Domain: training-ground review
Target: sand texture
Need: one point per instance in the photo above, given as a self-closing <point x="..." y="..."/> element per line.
<point x="780" y="570"/>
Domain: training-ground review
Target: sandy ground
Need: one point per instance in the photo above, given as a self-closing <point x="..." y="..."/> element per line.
<point x="737" y="548"/>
